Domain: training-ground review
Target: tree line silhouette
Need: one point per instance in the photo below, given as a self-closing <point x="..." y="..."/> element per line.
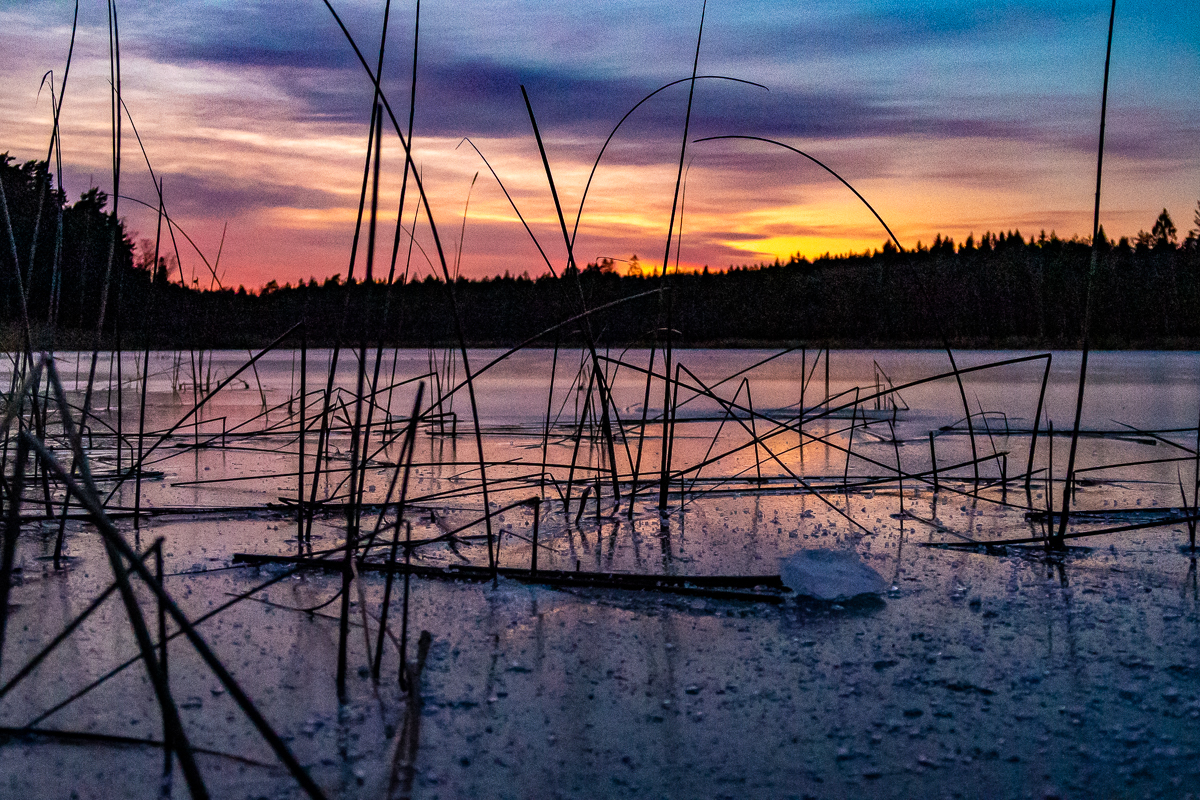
<point x="1001" y="290"/>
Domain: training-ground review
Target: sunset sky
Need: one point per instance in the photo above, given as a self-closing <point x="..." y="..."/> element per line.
<point x="950" y="117"/>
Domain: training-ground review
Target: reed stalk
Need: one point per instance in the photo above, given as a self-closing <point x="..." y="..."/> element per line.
<point x="850" y="441"/>
<point x="199" y="405"/>
<point x="1049" y="530"/>
<point x="12" y="532"/>
<point x="536" y="503"/>
<point x="15" y="488"/>
<point x="114" y="45"/>
<point x="168" y="738"/>
<point x="667" y="425"/>
<point x="899" y="468"/>
<point x="770" y="453"/>
<point x="121" y="554"/>
<point x="827" y="377"/>
<point x="137" y="494"/>
<point x="300" y="439"/>
<point x="97" y="682"/>
<point x="642" y="429"/>
<point x="1087" y="305"/>
<point x="546" y="427"/>
<point x="1037" y="421"/>
<point x="725" y="417"/>
<point x="54" y="149"/>
<point x="409" y="164"/>
<point x="172" y="724"/>
<point x="406" y="455"/>
<point x="323" y="435"/>
<point x="369" y="283"/>
<point x="753" y="431"/>
<point x="587" y="404"/>
<point x="585" y="326"/>
<point x="70" y="628"/>
<point x="1195" y="492"/>
<point x="352" y="509"/>
<point x="934" y="463"/>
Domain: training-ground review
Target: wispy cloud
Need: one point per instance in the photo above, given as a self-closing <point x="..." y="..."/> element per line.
<point x="951" y="118"/>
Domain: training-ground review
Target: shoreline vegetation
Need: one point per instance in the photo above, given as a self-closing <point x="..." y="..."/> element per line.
<point x="1000" y="291"/>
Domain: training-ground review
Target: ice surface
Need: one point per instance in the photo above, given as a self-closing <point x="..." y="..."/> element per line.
<point x="829" y="575"/>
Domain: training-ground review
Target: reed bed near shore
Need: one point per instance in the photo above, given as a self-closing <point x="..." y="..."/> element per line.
<point x="745" y="448"/>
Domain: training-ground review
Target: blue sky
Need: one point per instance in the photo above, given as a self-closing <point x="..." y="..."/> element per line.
<point x="949" y="117"/>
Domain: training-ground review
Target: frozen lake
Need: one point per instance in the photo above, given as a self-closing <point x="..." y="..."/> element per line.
<point x="1073" y="673"/>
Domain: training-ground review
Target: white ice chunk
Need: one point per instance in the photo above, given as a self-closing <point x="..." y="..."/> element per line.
<point x="829" y="575"/>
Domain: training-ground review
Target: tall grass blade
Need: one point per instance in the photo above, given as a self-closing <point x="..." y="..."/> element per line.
<point x="1087" y="305"/>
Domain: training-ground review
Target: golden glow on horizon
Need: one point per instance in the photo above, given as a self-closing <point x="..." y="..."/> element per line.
<point x="784" y="248"/>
